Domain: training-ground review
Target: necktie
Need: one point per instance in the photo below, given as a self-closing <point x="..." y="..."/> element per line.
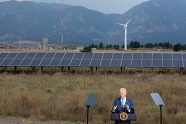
<point x="122" y="101"/>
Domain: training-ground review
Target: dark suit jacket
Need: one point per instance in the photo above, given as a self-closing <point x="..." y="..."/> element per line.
<point x="118" y="103"/>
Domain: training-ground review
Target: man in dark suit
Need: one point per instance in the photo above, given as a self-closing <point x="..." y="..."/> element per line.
<point x="122" y="101"/>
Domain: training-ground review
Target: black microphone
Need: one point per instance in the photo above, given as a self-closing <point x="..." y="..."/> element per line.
<point x="124" y="108"/>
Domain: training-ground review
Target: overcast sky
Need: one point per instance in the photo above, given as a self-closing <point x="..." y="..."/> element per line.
<point x="105" y="6"/>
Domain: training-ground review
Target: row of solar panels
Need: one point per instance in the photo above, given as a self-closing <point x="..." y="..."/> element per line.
<point x="94" y="59"/>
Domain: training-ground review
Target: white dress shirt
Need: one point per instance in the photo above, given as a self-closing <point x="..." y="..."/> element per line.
<point x="123" y="101"/>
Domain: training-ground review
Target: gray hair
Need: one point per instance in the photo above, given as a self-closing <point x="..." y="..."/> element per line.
<point x="123" y="89"/>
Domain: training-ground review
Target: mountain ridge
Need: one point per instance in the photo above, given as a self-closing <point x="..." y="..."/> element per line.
<point x="152" y="21"/>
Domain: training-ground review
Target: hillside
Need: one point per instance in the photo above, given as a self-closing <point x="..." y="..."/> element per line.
<point x="33" y="21"/>
<point x="157" y="21"/>
<point x="152" y="21"/>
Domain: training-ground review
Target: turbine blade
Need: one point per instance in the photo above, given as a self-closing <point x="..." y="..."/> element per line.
<point x="128" y="22"/>
<point x="120" y="24"/>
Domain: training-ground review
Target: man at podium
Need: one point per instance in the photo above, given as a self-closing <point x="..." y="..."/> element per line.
<point x="123" y="104"/>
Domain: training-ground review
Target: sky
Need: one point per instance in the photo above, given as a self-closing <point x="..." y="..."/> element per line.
<point x="105" y="6"/>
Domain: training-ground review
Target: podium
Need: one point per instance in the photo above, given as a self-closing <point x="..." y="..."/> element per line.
<point x="126" y="120"/>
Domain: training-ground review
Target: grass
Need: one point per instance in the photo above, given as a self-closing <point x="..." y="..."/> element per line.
<point x="139" y="50"/>
<point x="61" y="96"/>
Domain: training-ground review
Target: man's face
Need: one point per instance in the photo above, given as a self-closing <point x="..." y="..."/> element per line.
<point x="122" y="93"/>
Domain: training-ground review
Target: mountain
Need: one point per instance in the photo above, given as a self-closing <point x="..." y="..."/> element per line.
<point x="151" y="21"/>
<point x="33" y="21"/>
<point x="157" y="21"/>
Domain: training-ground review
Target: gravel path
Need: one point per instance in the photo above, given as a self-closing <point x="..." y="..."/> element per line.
<point x="11" y="121"/>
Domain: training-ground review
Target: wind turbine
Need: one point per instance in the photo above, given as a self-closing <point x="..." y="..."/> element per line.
<point x="125" y="38"/>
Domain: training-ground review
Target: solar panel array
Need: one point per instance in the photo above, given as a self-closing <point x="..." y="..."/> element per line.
<point x="171" y="60"/>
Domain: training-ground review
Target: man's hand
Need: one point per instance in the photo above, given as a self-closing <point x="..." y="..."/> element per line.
<point x="114" y="108"/>
<point x="127" y="107"/>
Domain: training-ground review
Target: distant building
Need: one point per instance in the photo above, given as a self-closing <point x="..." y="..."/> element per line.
<point x="94" y="49"/>
<point x="46" y="45"/>
<point x="79" y="48"/>
<point x="160" y="50"/>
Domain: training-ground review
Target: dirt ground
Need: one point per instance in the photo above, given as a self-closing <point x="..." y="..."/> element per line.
<point x="12" y="121"/>
<point x="25" y="121"/>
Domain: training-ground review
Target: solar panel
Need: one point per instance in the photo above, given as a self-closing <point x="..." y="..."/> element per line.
<point x="107" y="55"/>
<point x="105" y="63"/>
<point x="45" y="62"/>
<point x="11" y="55"/>
<point x="146" y="63"/>
<point x="30" y="55"/>
<point x="136" y="63"/>
<point x="59" y="55"/>
<point x="116" y="63"/>
<point x="55" y="62"/>
<point x="98" y="56"/>
<point x="147" y="55"/>
<point x="78" y="56"/>
<point x="26" y="62"/>
<point x="157" y="63"/>
<point x="75" y="63"/>
<point x="88" y="56"/>
<point x="177" y="56"/>
<point x="49" y="55"/>
<point x="4" y="55"/>
<point x="167" y="56"/>
<point x="6" y="62"/>
<point x="85" y="63"/>
<point x="177" y="60"/>
<point x="127" y="56"/>
<point x="65" y="62"/>
<point x="36" y="62"/>
<point x="137" y="56"/>
<point x="157" y="56"/>
<point x="95" y="63"/>
<point x="178" y="63"/>
<point x="167" y="63"/>
<point x="40" y="55"/>
<point x="184" y="62"/>
<point x="16" y="62"/>
<point x="126" y="63"/>
<point x="117" y="56"/>
<point x="68" y="55"/>
<point x="1" y="60"/>
<point x="21" y="55"/>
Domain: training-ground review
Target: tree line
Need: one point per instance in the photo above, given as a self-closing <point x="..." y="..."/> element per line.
<point x="136" y="44"/>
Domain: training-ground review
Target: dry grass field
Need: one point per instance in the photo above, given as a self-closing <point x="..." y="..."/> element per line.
<point x="61" y="96"/>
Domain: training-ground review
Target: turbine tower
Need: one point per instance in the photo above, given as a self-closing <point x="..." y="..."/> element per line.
<point x="125" y="38"/>
<point x="62" y="27"/>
